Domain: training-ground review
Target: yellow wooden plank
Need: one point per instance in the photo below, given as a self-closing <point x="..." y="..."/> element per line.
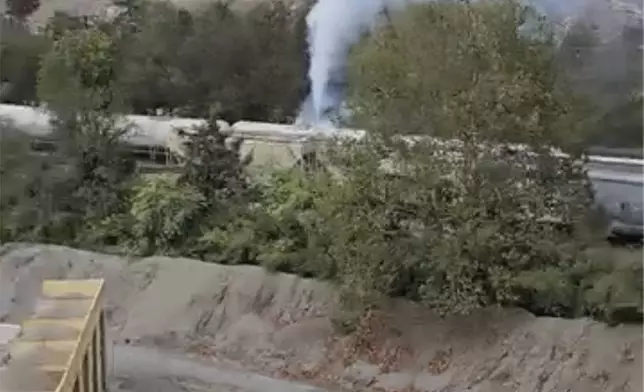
<point x="52" y="368"/>
<point x="52" y="329"/>
<point x="71" y="288"/>
<point x="55" y="344"/>
<point x="36" y="353"/>
<point x="62" y="308"/>
<point x="23" y="379"/>
<point x="81" y="381"/>
<point x="99" y="352"/>
<point x="89" y="366"/>
<point x="75" y="363"/>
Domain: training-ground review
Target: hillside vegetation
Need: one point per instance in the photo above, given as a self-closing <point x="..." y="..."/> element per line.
<point x="454" y="230"/>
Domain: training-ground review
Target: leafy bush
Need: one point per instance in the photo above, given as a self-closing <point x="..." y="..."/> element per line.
<point x="163" y="214"/>
<point x="36" y="202"/>
<point x="288" y="226"/>
<point x="213" y="165"/>
<point x="78" y="73"/>
<point x="277" y="226"/>
<point x="277" y="230"/>
<point x="169" y="214"/>
<point x="612" y="285"/>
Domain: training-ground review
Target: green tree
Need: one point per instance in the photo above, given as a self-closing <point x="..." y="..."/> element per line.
<point x="163" y="216"/>
<point x="76" y="82"/>
<point x="609" y="74"/>
<point x="456" y="222"/>
<point x="22" y="9"/>
<point x="35" y="202"/>
<point x="185" y="63"/>
<point x="213" y="165"/>
<point x="482" y="76"/>
<point x="151" y="37"/>
<point x="20" y="55"/>
<point x="79" y="72"/>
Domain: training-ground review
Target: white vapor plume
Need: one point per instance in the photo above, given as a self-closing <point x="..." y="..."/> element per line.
<point x="334" y="26"/>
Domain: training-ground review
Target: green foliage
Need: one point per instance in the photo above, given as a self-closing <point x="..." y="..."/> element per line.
<point x="482" y="72"/>
<point x="78" y="73"/>
<point x="459" y="224"/>
<point x="21" y="9"/>
<point x="85" y="178"/>
<point x="152" y="34"/>
<point x="20" y="54"/>
<point x="212" y="165"/>
<point x="279" y="229"/>
<point x="163" y="214"/>
<point x="626" y="122"/>
<point x="605" y="284"/>
<point x="612" y="285"/>
<point x="170" y="55"/>
<point x="77" y="83"/>
<point x="35" y="202"/>
<point x="616" y="117"/>
<point x="190" y="213"/>
<point x="288" y="227"/>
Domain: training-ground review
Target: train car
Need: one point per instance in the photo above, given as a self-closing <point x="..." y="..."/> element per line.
<point x="150" y="138"/>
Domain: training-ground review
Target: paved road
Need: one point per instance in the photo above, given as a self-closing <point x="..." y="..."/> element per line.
<point x="139" y="369"/>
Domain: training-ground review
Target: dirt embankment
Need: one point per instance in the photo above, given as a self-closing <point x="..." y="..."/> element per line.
<point x="280" y="325"/>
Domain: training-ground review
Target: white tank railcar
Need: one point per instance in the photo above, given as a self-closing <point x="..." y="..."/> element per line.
<point x="145" y="131"/>
<point x="156" y="132"/>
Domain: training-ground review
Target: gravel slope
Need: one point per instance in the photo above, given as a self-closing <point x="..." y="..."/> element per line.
<point x="240" y="317"/>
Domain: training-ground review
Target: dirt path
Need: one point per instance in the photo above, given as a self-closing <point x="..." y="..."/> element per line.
<point x="139" y="369"/>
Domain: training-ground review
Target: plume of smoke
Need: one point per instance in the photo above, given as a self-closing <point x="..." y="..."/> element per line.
<point x="334" y="26"/>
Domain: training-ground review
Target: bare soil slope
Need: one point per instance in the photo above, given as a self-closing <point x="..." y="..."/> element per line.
<point x="280" y="325"/>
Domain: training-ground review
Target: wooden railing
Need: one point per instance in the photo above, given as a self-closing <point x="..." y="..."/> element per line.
<point x="62" y="345"/>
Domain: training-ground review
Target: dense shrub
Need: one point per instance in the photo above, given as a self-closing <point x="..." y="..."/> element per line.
<point x="289" y="230"/>
<point x="611" y="283"/>
<point x="169" y="213"/>
<point x="213" y="165"/>
<point x="459" y="225"/>
<point x="162" y="216"/>
<point x="35" y="196"/>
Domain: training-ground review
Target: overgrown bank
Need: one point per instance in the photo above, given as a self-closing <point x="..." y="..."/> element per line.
<point x="455" y="229"/>
<point x="280" y="325"/>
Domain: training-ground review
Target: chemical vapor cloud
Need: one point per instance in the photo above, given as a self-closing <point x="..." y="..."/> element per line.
<point x="334" y="26"/>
